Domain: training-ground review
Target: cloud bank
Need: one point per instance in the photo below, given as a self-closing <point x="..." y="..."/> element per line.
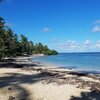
<point x="96" y="29"/>
<point x="75" y="46"/>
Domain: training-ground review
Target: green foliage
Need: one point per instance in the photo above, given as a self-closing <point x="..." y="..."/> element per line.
<point x="43" y="49"/>
<point x="50" y="52"/>
<point x="11" y="46"/>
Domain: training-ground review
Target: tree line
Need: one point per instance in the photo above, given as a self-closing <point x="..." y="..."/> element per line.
<point x="11" y="45"/>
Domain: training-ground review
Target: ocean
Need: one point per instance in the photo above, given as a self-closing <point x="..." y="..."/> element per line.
<point x="77" y="61"/>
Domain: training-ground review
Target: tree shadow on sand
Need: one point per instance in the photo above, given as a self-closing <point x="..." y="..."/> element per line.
<point x="15" y="65"/>
<point x="93" y="95"/>
<point x="16" y="79"/>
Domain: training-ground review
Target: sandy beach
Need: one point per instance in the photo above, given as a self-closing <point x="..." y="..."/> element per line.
<point x="23" y="79"/>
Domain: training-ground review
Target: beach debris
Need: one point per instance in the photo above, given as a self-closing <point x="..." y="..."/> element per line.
<point x="9" y="88"/>
<point x="39" y="69"/>
<point x="32" y="69"/>
<point x="61" y="79"/>
<point x="78" y="73"/>
<point x="27" y="68"/>
<point x="11" y="98"/>
<point x="68" y="77"/>
<point x="48" y="73"/>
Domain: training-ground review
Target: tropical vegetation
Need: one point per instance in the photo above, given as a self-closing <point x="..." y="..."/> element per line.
<point x="11" y="45"/>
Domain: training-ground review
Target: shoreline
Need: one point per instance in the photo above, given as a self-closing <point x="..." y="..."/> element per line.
<point x="75" y="68"/>
<point x="38" y="81"/>
<point x="29" y="60"/>
<point x="91" y="71"/>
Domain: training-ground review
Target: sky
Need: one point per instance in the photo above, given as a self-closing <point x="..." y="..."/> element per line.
<point x="63" y="25"/>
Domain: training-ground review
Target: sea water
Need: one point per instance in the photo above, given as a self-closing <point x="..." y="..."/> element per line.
<point x="78" y="61"/>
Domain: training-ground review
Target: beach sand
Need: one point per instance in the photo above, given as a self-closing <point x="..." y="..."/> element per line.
<point x="36" y="81"/>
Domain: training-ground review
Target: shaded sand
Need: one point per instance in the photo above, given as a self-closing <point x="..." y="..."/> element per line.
<point x="43" y="82"/>
<point x="18" y="80"/>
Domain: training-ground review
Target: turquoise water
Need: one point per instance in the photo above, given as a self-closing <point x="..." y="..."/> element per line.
<point x="81" y="61"/>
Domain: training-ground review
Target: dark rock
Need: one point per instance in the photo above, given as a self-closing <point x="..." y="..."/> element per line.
<point x="11" y="98"/>
<point x="9" y="88"/>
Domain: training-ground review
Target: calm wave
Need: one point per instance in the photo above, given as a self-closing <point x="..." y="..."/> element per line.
<point x="86" y="61"/>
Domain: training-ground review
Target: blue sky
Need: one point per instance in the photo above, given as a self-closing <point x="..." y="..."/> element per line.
<point x="64" y="25"/>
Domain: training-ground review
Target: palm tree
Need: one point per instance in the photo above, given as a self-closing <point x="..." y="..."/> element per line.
<point x="2" y="37"/>
<point x="24" y="44"/>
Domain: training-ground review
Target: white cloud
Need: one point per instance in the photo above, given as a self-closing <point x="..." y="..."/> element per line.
<point x="69" y="45"/>
<point x="74" y="46"/>
<point x="46" y="29"/>
<point x="96" y="29"/>
<point x="87" y="43"/>
<point x="97" y="44"/>
<point x="97" y="22"/>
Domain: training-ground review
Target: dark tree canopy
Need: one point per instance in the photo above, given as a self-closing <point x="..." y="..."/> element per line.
<point x="10" y="45"/>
